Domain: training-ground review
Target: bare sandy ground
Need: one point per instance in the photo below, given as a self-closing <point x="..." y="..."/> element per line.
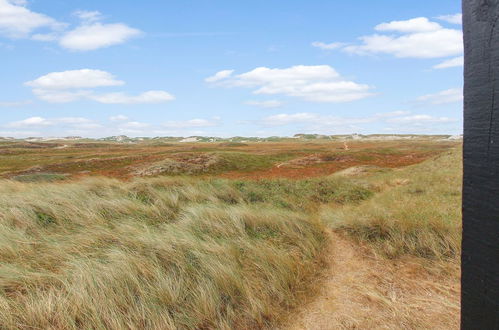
<point x="362" y="291"/>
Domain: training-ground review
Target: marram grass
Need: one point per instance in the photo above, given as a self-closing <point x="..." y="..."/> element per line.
<point x="150" y="254"/>
<point x="417" y="211"/>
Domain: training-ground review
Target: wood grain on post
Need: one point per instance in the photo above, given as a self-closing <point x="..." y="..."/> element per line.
<point x="480" y="256"/>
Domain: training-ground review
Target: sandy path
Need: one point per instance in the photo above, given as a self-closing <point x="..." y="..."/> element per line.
<point x="362" y="291"/>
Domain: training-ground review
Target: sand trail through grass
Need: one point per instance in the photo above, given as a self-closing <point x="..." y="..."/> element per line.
<point x="393" y="261"/>
<point x="361" y="291"/>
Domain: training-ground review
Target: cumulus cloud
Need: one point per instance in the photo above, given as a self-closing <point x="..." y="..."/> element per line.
<point x="419" y="24"/>
<point x="320" y="83"/>
<point x="17" y="21"/>
<point x="134" y="124"/>
<point x="88" y="16"/>
<point x="97" y="35"/>
<point x="312" y="120"/>
<point x="265" y="104"/>
<point x="120" y="124"/>
<point x="400" y="121"/>
<point x="392" y="114"/>
<point x="149" y="97"/>
<point x="451" y="63"/>
<point x="453" y="19"/>
<point x="325" y="46"/>
<point x="413" y="38"/>
<point x="74" y="85"/>
<point x="221" y="75"/>
<point x="451" y="95"/>
<point x="60" y="96"/>
<point x="431" y="44"/>
<point x="43" y="122"/>
<point x="32" y="121"/>
<point x="84" y="78"/>
<point x="421" y="119"/>
<point x="422" y="124"/>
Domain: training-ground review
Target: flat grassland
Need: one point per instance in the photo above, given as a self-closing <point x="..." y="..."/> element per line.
<point x="229" y="235"/>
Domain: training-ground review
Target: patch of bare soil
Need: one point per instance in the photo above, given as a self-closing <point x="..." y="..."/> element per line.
<point x="185" y="163"/>
<point x="362" y="291"/>
<point x="360" y="170"/>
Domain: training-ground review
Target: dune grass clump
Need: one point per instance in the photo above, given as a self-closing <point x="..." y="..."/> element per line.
<point x="161" y="253"/>
<point x="417" y="211"/>
<point x="302" y="194"/>
<point x="40" y="177"/>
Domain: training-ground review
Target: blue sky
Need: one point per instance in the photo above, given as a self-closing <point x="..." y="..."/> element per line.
<point x="227" y="68"/>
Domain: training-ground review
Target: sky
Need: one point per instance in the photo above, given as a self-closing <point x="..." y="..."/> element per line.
<point x="230" y="68"/>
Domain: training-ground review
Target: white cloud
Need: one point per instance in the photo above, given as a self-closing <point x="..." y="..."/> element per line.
<point x="97" y="35"/>
<point x="19" y="2"/>
<point x="453" y="62"/>
<point x="118" y="118"/>
<point x="330" y="46"/>
<point x="134" y="124"/>
<point x="403" y="121"/>
<point x="221" y="75"/>
<point x="453" y="19"/>
<point x="29" y="122"/>
<point x="435" y="44"/>
<point x="421" y="119"/>
<point x="74" y="85"/>
<point x="79" y="122"/>
<point x="20" y="133"/>
<point x="451" y="95"/>
<point x="423" y="124"/>
<point x="45" y="36"/>
<point x="14" y="104"/>
<point x="265" y="104"/>
<point x="190" y="123"/>
<point x="285" y="119"/>
<point x="149" y="97"/>
<point x="419" y="24"/>
<point x="313" y="120"/>
<point x="84" y="78"/>
<point x="64" y="126"/>
<point x="88" y="16"/>
<point x="17" y="21"/>
<point x="413" y="38"/>
<point x="60" y="96"/>
<point x="319" y="83"/>
<point x="392" y="114"/>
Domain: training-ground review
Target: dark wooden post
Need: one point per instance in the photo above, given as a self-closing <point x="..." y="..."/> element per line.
<point x="480" y="256"/>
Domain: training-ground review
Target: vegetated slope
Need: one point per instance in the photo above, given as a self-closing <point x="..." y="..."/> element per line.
<point x="159" y="253"/>
<point x="294" y="158"/>
<point x="417" y="212"/>
<point x="394" y="259"/>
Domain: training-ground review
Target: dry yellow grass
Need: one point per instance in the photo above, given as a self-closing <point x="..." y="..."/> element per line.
<point x="394" y="259"/>
<point x="417" y="210"/>
<point x="157" y="254"/>
<point x="359" y="290"/>
<point x="180" y="253"/>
